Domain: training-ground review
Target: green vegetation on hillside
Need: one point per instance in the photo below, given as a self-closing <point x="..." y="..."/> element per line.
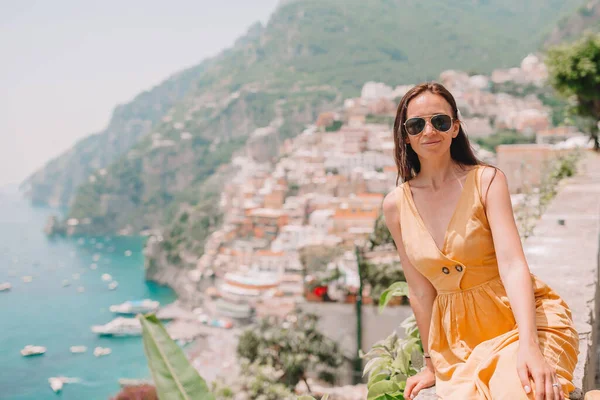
<point x="503" y="137"/>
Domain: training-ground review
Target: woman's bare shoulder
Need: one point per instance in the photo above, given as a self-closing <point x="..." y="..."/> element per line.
<point x="390" y="202"/>
<point x="491" y="175"/>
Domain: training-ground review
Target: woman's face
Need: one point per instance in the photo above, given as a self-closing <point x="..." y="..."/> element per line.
<point x="430" y="143"/>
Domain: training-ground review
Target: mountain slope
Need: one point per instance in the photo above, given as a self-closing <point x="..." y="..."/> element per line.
<point x="56" y="183"/>
<point x="571" y="27"/>
<point x="309" y="56"/>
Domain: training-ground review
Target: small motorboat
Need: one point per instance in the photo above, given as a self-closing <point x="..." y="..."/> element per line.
<point x="56" y="384"/>
<point x="5" y="287"/>
<point x="135" y="307"/>
<point x="106" y="277"/>
<point x="31" y="350"/>
<point x="102" y="351"/>
<point x="119" y="326"/>
<point x="113" y="285"/>
<point x="78" y="349"/>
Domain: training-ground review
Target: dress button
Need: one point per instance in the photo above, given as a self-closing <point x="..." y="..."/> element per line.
<point x="445" y="270"/>
<point x="458" y="268"/>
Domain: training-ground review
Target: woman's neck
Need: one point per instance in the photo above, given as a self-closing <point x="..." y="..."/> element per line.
<point x="434" y="173"/>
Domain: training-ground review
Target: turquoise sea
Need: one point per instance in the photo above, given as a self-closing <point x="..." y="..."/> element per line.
<point x="45" y="313"/>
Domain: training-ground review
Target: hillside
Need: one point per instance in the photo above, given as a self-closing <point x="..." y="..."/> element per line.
<point x="56" y="183"/>
<point x="309" y="57"/>
<point x="571" y="27"/>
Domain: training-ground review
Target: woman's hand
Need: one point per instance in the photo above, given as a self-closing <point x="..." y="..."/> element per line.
<point x="415" y="383"/>
<point x="531" y="363"/>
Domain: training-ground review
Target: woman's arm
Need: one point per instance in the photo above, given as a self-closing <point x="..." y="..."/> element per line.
<point x="422" y="293"/>
<point x="517" y="281"/>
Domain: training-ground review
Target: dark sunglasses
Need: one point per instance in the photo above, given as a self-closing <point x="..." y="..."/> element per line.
<point x="440" y="122"/>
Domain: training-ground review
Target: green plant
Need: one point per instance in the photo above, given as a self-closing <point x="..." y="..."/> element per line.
<point x="255" y="381"/>
<point x="305" y="397"/>
<point x="175" y="378"/>
<point x="392" y="360"/>
<point x="334" y="127"/>
<point x="503" y="137"/>
<point x="575" y="73"/>
<point x="292" y="345"/>
<point x="381" y="234"/>
<point x="380" y="277"/>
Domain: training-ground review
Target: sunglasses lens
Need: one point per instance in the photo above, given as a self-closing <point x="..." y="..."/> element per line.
<point x="441" y="122"/>
<point x="414" y="126"/>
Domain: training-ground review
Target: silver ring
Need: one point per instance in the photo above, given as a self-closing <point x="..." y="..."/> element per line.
<point x="555" y="385"/>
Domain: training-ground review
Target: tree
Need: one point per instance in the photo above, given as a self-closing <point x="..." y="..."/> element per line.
<point x="292" y="345"/>
<point x="380" y="235"/>
<point x="575" y="73"/>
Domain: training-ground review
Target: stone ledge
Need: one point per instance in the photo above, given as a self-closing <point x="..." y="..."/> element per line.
<point x="566" y="257"/>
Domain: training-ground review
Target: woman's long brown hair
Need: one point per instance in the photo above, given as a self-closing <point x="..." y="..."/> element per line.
<point x="407" y="161"/>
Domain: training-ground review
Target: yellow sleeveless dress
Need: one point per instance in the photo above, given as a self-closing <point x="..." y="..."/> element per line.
<point x="473" y="337"/>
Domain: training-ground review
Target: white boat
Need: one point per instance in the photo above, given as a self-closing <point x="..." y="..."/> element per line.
<point x="119" y="326"/>
<point x="31" y="350"/>
<point x="106" y="277"/>
<point x="128" y="253"/>
<point x="5" y="287"/>
<point x="66" y="283"/>
<point x="27" y="278"/>
<point x="93" y="266"/>
<point x="78" y="349"/>
<point x="56" y="384"/>
<point x="135" y="307"/>
<point x="102" y="351"/>
<point x="80" y="289"/>
<point x="113" y="285"/>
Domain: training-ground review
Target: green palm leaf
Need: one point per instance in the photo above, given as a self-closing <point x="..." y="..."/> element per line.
<point x="175" y="378"/>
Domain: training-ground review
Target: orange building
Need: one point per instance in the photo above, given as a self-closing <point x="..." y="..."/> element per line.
<point x="266" y="222"/>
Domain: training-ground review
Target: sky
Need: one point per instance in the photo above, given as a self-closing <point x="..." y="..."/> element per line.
<point x="67" y="64"/>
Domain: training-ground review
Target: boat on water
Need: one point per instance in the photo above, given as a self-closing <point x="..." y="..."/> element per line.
<point x="102" y="351"/>
<point x="56" y="384"/>
<point x="106" y="277"/>
<point x="31" y="350"/>
<point x="5" y="286"/>
<point x="113" y="285"/>
<point x="135" y="307"/>
<point x="78" y="349"/>
<point x="119" y="326"/>
<point x="66" y="283"/>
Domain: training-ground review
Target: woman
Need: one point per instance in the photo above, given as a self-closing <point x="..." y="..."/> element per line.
<point x="490" y="329"/>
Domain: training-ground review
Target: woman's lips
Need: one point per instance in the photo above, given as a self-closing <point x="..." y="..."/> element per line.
<point x="431" y="143"/>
